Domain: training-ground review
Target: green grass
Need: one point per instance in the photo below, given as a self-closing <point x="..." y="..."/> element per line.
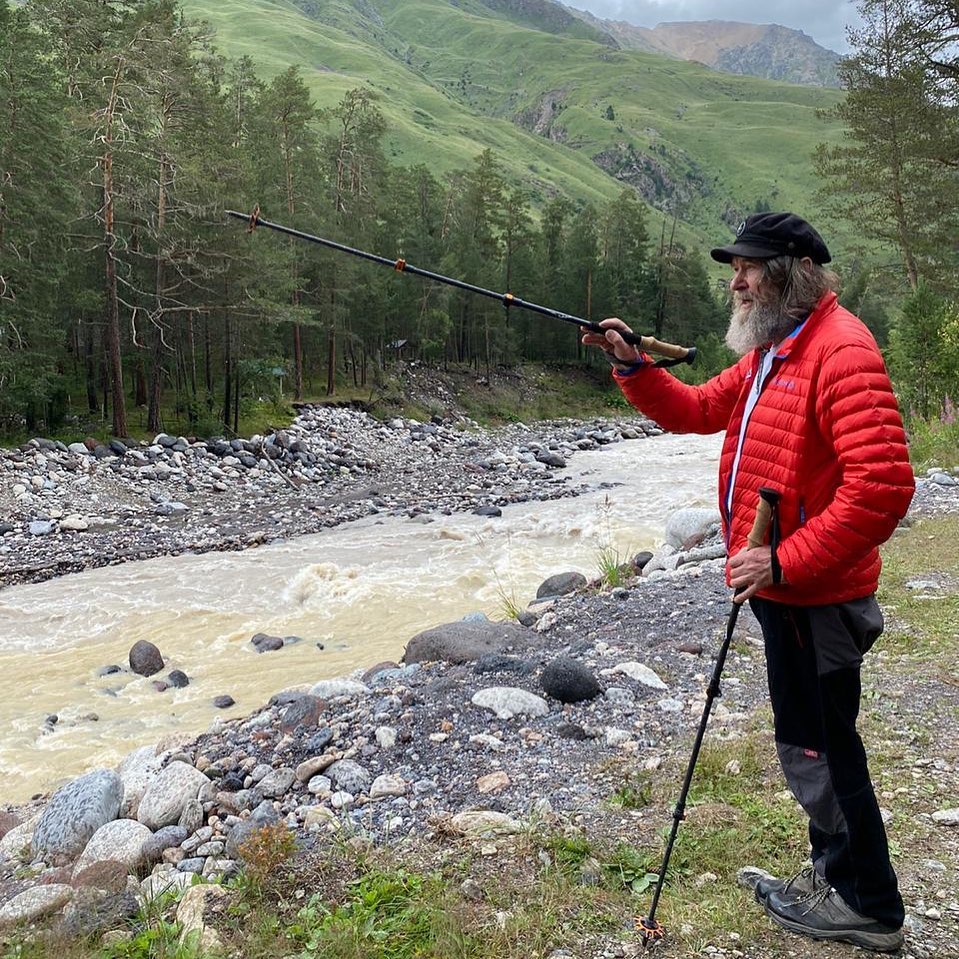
<point x="455" y="79"/>
<point x="923" y="623"/>
<point x="933" y="443"/>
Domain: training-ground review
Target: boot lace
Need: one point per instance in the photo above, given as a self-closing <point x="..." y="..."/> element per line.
<point x="815" y="899"/>
<point x="804" y="873"/>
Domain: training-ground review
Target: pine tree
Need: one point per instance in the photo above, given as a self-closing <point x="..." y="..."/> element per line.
<point x="288" y="154"/>
<point x="888" y="178"/>
<point x="925" y="374"/>
<point x="37" y="202"/>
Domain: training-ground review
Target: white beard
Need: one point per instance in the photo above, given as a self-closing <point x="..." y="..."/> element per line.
<point x="760" y="324"/>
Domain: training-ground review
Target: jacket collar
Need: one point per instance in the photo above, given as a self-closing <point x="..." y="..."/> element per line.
<point x="826" y="303"/>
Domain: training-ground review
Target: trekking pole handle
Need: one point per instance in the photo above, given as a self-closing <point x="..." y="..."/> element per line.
<point x="765" y="510"/>
<point x="650" y="344"/>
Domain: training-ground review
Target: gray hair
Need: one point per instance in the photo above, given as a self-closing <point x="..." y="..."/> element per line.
<point x="799" y="286"/>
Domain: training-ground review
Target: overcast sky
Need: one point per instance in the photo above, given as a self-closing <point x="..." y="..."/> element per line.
<point x="824" y="20"/>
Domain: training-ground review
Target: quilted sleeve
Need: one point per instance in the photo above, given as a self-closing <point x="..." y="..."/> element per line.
<point x="857" y="414"/>
<point x="679" y="407"/>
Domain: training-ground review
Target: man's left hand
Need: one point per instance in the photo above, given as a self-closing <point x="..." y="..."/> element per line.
<point x="750" y="570"/>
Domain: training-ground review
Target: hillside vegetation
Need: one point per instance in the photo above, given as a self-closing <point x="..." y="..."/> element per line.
<point x="563" y="111"/>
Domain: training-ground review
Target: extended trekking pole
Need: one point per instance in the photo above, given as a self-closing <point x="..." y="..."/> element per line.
<point x="766" y="515"/>
<point x="672" y="354"/>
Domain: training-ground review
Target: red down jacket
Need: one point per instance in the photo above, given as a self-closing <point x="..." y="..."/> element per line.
<point x="825" y="432"/>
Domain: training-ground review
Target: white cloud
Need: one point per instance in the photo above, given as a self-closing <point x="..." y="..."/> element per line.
<point x="824" y="20"/>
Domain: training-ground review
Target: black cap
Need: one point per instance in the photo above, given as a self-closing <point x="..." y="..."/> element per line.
<point x="765" y="235"/>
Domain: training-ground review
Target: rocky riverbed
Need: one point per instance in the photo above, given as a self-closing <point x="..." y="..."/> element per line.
<point x="481" y="729"/>
<point x="66" y="508"/>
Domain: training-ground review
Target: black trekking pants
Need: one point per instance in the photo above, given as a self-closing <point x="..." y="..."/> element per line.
<point x="813" y="659"/>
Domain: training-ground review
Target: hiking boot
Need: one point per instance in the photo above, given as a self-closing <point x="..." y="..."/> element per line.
<point x="803" y="883"/>
<point x="825" y="915"/>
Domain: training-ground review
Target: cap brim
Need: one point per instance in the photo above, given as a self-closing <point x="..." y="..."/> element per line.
<point x="749" y="251"/>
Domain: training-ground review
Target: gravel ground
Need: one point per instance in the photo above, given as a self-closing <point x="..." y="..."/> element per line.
<point x="419" y="722"/>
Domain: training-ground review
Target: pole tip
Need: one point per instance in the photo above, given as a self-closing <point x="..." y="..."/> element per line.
<point x="650" y="931"/>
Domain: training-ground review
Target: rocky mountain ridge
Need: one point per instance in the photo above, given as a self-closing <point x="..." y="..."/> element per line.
<point x="769" y="50"/>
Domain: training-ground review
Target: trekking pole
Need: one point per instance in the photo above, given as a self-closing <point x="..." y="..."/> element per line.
<point x="672" y="354"/>
<point x="766" y="515"/>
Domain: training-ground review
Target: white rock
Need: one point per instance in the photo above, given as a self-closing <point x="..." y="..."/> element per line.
<point x="165" y="880"/>
<point x="320" y="818"/>
<point x="481" y="823"/>
<point x="74" y="523"/>
<point x="16" y="843"/>
<point x="194" y="905"/>
<point x="328" y="688"/>
<point x="120" y="841"/>
<point x="508" y="701"/>
<point x="136" y="771"/>
<point x="34" y="903"/>
<point x="617" y="737"/>
<point x="671" y="705"/>
<point x="640" y="672"/>
<point x="167" y="795"/>
<point x="320" y="786"/>
<point x="546" y="622"/>
<point x="689" y="522"/>
<point x="946" y="817"/>
<point x="485" y="739"/>
<point x="387" y="785"/>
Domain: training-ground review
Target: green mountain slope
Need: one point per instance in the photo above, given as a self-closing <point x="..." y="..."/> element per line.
<point x="562" y="108"/>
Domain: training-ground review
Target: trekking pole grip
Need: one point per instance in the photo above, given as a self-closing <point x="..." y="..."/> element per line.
<point x="765" y="512"/>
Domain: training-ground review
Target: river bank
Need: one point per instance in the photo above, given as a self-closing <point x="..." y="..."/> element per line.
<point x="401" y="755"/>
<point x="65" y="509"/>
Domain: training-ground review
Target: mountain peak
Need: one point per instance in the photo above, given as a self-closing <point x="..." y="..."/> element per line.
<point x="767" y="50"/>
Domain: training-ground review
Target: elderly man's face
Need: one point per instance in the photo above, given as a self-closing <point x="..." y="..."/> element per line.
<point x="746" y="280"/>
<point x="757" y="318"/>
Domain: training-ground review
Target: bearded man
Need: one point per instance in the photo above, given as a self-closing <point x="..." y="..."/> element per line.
<point x="809" y="412"/>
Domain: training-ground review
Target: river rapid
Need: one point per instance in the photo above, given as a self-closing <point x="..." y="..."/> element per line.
<point x="354" y="595"/>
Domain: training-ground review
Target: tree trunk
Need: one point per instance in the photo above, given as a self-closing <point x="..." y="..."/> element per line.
<point x="112" y="332"/>
<point x="331" y="346"/>
<point x="207" y="358"/>
<point x="93" y="400"/>
<point x="353" y="364"/>
<point x="139" y="383"/>
<point x="297" y="357"/>
<point x="227" y="370"/>
<point x="154" y="420"/>
<point x="155" y="396"/>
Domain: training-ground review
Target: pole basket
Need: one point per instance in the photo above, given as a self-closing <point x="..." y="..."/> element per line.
<point x="650" y="931"/>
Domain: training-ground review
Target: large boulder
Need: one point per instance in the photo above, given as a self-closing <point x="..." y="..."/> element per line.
<point x="137" y="770"/>
<point x="168" y="794"/>
<point x="123" y="841"/>
<point x="690" y="526"/>
<point x="75" y="812"/>
<point x="464" y="642"/>
<point x="34" y="903"/>
<point x="145" y="658"/>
